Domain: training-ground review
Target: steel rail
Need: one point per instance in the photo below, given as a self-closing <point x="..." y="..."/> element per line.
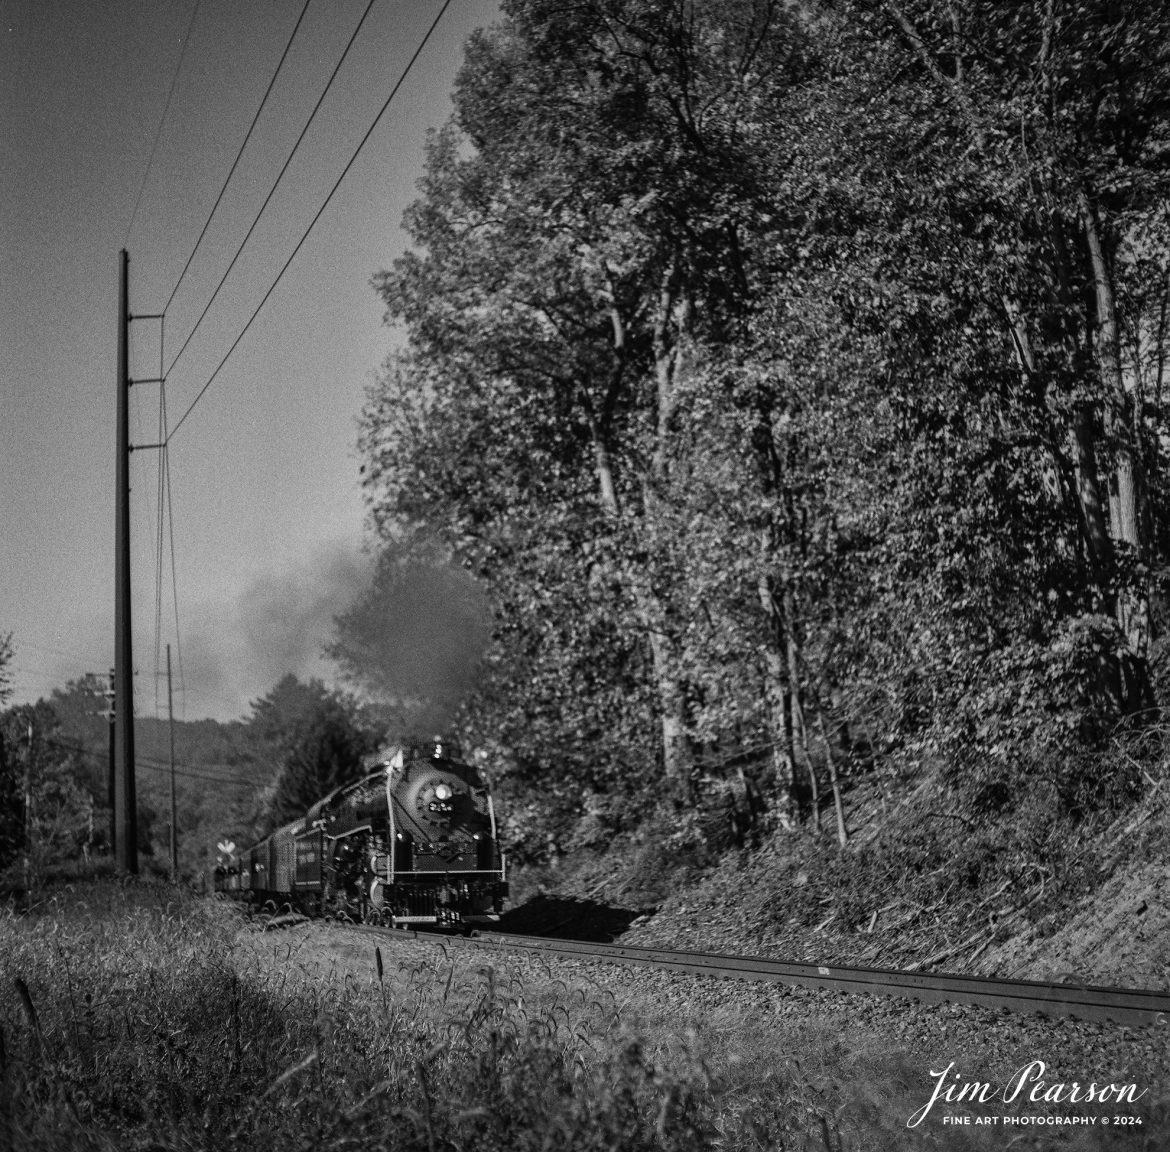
<point x="1129" y="1007"/>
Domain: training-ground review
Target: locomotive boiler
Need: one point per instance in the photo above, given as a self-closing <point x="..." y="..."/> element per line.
<point x="412" y="842"/>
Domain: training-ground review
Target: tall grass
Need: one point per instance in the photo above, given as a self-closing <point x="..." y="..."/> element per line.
<point x="132" y="1019"/>
<point x="135" y="1017"/>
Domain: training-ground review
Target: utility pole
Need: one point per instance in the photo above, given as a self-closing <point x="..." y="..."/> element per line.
<point x="171" y="717"/>
<point x="29" y="822"/>
<point x="125" y="797"/>
<point x="112" y="791"/>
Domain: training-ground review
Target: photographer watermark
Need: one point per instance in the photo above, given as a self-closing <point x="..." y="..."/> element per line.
<point x="1027" y="1085"/>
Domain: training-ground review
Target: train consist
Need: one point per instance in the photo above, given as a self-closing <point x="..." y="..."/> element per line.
<point x="412" y="842"/>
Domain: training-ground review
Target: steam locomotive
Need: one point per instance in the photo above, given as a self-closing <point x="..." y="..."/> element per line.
<point x="413" y="842"/>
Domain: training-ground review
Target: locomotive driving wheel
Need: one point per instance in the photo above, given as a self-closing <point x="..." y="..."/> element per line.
<point x="344" y="894"/>
<point x="333" y="900"/>
<point x="377" y="909"/>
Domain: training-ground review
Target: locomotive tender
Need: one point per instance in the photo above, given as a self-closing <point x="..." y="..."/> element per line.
<point x="412" y="842"/>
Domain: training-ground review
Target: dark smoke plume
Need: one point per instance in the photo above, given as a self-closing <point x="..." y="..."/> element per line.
<point x="286" y="620"/>
<point x="279" y="625"/>
<point x="414" y="638"/>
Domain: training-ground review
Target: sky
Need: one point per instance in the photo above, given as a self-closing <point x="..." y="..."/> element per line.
<point x="267" y="511"/>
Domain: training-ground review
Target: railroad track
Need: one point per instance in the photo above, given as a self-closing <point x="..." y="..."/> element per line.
<point x="1124" y="1006"/>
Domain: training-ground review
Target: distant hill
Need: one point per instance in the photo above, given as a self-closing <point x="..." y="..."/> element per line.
<point x="222" y="772"/>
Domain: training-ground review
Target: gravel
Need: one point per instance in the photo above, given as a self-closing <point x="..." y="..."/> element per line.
<point x="863" y="1053"/>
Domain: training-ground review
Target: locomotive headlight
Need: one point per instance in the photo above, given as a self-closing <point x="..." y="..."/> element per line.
<point x="442" y="792"/>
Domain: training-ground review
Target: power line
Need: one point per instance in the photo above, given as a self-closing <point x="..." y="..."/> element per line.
<point x="18" y="644"/>
<point x="51" y="680"/>
<point x="236" y="161"/>
<point x="154" y="765"/>
<point x="175" y="581"/>
<point x="42" y="673"/>
<point x="312" y="223"/>
<point x="236" y="783"/>
<point x="144" y="512"/>
<point x="166" y="522"/>
<point x="272" y="190"/>
<point x="158" y="561"/>
<point x="162" y="121"/>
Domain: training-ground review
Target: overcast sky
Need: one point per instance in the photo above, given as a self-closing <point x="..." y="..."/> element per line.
<point x="268" y="515"/>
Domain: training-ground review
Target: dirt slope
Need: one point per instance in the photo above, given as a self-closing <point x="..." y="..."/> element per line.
<point x="1118" y="936"/>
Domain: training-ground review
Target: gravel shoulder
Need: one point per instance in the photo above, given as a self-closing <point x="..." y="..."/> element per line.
<point x="870" y="1061"/>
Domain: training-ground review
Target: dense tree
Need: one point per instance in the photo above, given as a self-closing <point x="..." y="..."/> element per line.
<point x="1060" y="113"/>
<point x="792" y="379"/>
<point x="281" y="715"/>
<point x="565" y="263"/>
<point x="5" y="672"/>
<point x="47" y="813"/>
<point x="323" y="740"/>
<point x="1017" y="150"/>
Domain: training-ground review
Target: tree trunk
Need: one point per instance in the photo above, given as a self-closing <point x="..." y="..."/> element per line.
<point x="603" y="462"/>
<point x="814" y="787"/>
<point x="653" y="613"/>
<point x="838" y="803"/>
<point x="677" y="753"/>
<point x="796" y="698"/>
<point x="777" y="694"/>
<point x="676" y="744"/>
<point x="1132" y="604"/>
<point x="1097" y="543"/>
<point x="1124" y="489"/>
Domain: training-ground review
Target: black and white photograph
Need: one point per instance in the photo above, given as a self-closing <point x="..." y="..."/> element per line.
<point x="584" y="575"/>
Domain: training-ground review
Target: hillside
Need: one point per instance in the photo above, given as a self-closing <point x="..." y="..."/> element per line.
<point x="899" y="896"/>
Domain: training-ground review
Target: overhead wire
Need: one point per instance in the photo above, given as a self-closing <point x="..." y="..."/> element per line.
<point x="165" y="517"/>
<point x="154" y="765"/>
<point x="164" y="486"/>
<point x="43" y="672"/>
<point x="166" y="528"/>
<point x="162" y="121"/>
<point x="236" y="161"/>
<point x="49" y="675"/>
<point x="158" y="553"/>
<point x="165" y="513"/>
<point x="71" y="655"/>
<point x="146" y="513"/>
<point x="187" y="774"/>
<point x="175" y="585"/>
<point x="369" y="132"/>
<point x="272" y="190"/>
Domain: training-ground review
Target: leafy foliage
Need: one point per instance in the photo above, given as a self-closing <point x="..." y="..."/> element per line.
<point x="322" y="748"/>
<point x="5" y="673"/>
<point x="48" y="812"/>
<point x="232" y="779"/>
<point x="792" y="382"/>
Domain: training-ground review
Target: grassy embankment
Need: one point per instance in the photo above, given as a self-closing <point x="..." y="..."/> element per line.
<point x="138" y="1017"/>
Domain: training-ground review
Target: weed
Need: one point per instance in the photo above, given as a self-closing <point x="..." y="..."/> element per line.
<point x="140" y="1019"/>
<point x="135" y="1019"/>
